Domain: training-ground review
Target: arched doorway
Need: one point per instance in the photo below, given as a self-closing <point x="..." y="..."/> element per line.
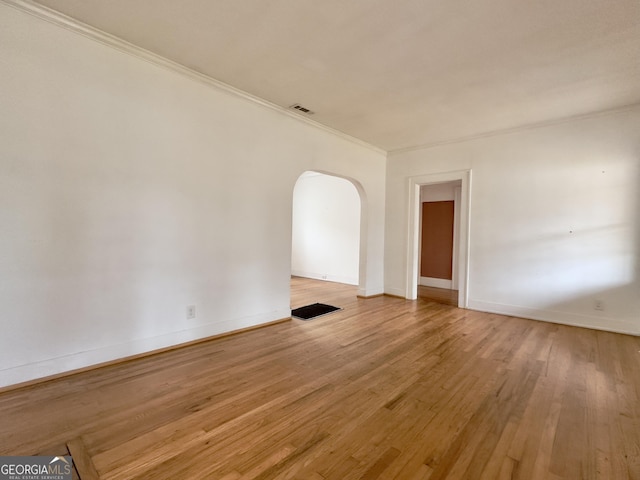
<point x="326" y="228"/>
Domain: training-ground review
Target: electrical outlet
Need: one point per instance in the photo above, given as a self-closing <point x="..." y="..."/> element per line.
<point x="598" y="305"/>
<point x="191" y="311"/>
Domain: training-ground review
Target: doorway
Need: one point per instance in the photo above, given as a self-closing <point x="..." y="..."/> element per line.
<point x="326" y="229"/>
<point x="439" y="242"/>
<point x="460" y="255"/>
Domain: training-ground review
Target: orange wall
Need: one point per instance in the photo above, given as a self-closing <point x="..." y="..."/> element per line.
<point x="437" y="240"/>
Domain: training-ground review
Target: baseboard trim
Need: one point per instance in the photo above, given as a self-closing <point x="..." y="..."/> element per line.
<point x="563" y="318"/>
<point x="436" y="283"/>
<point x="325" y="277"/>
<point x="394" y="292"/>
<point x="393" y="295"/>
<point x="130" y="358"/>
<point x="367" y="297"/>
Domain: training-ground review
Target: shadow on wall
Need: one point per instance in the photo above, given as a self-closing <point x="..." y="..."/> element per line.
<point x="572" y="254"/>
<point x="599" y="275"/>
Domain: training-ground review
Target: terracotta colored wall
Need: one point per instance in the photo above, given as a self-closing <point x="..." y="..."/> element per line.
<point x="437" y="240"/>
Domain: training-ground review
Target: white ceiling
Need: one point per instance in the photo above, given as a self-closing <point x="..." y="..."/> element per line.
<point x="398" y="73"/>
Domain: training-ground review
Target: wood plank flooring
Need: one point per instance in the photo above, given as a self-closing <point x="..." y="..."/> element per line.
<point x="383" y="389"/>
<point x="438" y="295"/>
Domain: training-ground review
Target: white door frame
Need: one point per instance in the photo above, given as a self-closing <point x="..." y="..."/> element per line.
<point x="413" y="233"/>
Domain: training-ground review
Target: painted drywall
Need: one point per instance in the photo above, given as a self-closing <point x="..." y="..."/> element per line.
<point x="440" y="192"/>
<point x="326" y="229"/>
<point x="554" y="219"/>
<point x="129" y="191"/>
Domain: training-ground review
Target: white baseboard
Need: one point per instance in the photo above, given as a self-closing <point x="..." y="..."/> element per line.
<point x="325" y="277"/>
<point x="616" y="325"/>
<point x="75" y="361"/>
<point x="370" y="291"/>
<point x="436" y="282"/>
<point x="396" y="292"/>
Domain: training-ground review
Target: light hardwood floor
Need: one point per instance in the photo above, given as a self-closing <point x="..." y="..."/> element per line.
<point x="438" y="295"/>
<point x="383" y="389"/>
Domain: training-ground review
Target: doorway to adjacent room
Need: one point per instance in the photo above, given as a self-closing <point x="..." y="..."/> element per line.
<point x="460" y="242"/>
<point x="328" y="231"/>
<point x="439" y="241"/>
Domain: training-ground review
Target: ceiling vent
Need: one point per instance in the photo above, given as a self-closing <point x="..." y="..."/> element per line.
<point x="300" y="108"/>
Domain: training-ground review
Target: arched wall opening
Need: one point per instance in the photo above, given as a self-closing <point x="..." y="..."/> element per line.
<point x="328" y="229"/>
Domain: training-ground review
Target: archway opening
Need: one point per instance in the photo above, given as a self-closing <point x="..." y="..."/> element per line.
<point x="326" y="229"/>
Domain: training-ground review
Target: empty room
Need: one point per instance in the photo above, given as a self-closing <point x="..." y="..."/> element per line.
<point x="185" y="186"/>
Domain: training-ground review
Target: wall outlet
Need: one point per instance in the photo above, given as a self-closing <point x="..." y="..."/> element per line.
<point x="191" y="311"/>
<point x="598" y="305"/>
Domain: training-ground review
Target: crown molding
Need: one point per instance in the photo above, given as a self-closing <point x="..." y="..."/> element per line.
<point x="518" y="128"/>
<point x="71" y="24"/>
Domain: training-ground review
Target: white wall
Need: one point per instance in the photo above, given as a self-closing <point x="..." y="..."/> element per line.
<point x="129" y="191"/>
<point x="326" y="229"/>
<point x="554" y="219"/>
<point x="439" y="192"/>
